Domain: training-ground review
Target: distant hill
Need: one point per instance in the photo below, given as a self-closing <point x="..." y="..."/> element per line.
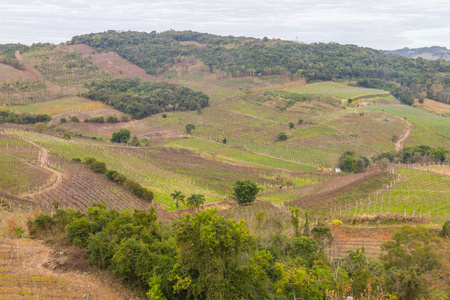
<point x="433" y="53"/>
<point x="230" y="56"/>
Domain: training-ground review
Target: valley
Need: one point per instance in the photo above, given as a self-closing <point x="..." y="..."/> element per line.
<point x="237" y="136"/>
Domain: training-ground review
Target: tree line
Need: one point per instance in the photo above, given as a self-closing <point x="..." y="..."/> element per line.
<point x="142" y="99"/>
<point x="23" y="118"/>
<point x="133" y="186"/>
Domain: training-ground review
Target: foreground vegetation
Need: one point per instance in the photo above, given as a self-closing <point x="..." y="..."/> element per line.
<point x="207" y="256"/>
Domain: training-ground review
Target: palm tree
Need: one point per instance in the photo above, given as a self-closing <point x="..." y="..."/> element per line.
<point x="195" y="200"/>
<point x="178" y="197"/>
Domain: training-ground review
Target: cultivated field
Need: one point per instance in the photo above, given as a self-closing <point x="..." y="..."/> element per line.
<point x="336" y="89"/>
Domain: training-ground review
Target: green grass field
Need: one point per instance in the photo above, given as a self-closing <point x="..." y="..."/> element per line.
<point x="336" y="89"/>
<point x="427" y="120"/>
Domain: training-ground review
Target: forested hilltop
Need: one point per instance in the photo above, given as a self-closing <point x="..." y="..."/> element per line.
<point x="241" y="56"/>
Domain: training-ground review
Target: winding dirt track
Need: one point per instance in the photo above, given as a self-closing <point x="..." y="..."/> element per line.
<point x="58" y="176"/>
<point x="404" y="136"/>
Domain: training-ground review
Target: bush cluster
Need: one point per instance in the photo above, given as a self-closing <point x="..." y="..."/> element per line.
<point x="134" y="187"/>
<point x="23" y="118"/>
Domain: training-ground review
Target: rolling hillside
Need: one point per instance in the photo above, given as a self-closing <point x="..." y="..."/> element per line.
<point x="325" y="154"/>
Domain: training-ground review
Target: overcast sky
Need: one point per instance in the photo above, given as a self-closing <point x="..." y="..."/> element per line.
<point x="382" y="24"/>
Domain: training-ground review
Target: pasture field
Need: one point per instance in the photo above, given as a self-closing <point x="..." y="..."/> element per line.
<point x="420" y="193"/>
<point x="422" y="136"/>
<point x="418" y="117"/>
<point x="336" y="89"/>
<point x="66" y="105"/>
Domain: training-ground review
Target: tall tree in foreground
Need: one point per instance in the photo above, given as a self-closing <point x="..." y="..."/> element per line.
<point x="217" y="259"/>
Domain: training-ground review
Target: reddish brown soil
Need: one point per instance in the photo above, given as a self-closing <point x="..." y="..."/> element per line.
<point x="40" y="272"/>
<point x="113" y="63"/>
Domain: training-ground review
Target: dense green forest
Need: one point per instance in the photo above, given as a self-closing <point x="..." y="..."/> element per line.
<point x="142" y="99"/>
<point x="240" y="56"/>
<point x="207" y="256"/>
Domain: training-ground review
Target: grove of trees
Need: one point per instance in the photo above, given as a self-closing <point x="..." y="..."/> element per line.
<point x="142" y="99"/>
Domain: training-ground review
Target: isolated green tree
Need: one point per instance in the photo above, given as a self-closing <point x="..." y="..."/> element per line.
<point x="282" y="136"/>
<point x="291" y="125"/>
<point x="245" y="191"/>
<point x="189" y="128"/>
<point x="122" y="136"/>
<point x="300" y="122"/>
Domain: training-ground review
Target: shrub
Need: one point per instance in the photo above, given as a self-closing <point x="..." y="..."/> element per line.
<point x="291" y="125"/>
<point x="164" y="116"/>
<point x="100" y="119"/>
<point x="99" y="167"/>
<point x="89" y="160"/>
<point x="282" y="136"/>
<point x="111" y="174"/>
<point x="336" y="222"/>
<point x="119" y="178"/>
<point x="63" y="120"/>
<point x="40" y="126"/>
<point x="300" y="122"/>
<point x="112" y="119"/>
<point x="74" y="119"/>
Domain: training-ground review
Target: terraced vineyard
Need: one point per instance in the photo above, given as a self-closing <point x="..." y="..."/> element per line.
<point x="81" y="187"/>
<point x="419" y="193"/>
<point x="19" y="170"/>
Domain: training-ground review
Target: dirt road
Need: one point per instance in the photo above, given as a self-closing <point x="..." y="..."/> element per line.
<point x="404" y="136"/>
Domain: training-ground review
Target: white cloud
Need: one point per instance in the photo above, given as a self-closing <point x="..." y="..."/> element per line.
<point x="383" y="25"/>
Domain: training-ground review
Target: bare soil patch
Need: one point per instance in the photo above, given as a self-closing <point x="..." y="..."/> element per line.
<point x="12" y="74"/>
<point x="434" y="107"/>
<point x="38" y="271"/>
